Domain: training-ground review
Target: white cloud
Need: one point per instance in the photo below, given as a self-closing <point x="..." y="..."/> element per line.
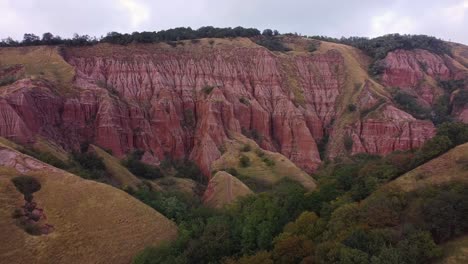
<point x="456" y="13"/>
<point x="390" y="22"/>
<point x="138" y="12"/>
<point x="9" y="18"/>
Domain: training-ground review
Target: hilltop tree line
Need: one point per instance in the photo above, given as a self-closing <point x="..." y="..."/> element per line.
<point x="378" y="47"/>
<point x="175" y="34"/>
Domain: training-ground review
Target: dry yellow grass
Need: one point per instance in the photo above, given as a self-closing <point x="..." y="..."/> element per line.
<point x="223" y="189"/>
<point x="9" y="144"/>
<point x="44" y="145"/>
<point x="40" y="62"/>
<point x="450" y="167"/>
<point x="258" y="169"/>
<point x="123" y="178"/>
<point x="94" y="222"/>
<point x="120" y="175"/>
<point x="456" y="251"/>
<point x="460" y="53"/>
<point x="194" y="47"/>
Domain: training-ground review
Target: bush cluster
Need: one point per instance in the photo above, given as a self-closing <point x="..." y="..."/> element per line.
<point x="136" y="166"/>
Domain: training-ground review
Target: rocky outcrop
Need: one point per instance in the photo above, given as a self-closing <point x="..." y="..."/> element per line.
<point x="393" y="130"/>
<point x="33" y="219"/>
<point x="418" y="71"/>
<point x="185" y="101"/>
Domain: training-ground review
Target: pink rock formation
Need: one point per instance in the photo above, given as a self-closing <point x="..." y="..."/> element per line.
<point x="395" y="130"/>
<point x="185" y="103"/>
<point x="412" y="70"/>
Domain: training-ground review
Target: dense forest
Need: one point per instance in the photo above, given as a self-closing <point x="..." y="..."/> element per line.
<point x="347" y="220"/>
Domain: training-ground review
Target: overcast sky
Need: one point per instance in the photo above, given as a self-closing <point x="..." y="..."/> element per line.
<point x="446" y="19"/>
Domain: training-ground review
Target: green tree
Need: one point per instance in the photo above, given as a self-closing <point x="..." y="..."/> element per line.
<point x="292" y="249"/>
<point x="352" y="256"/>
<point x="418" y="247"/>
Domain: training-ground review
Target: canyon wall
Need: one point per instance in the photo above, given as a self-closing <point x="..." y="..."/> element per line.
<point x="185" y="101"/>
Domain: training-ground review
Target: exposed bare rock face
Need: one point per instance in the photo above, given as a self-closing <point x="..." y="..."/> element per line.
<point x="419" y="71"/>
<point x="184" y="102"/>
<point x="393" y="130"/>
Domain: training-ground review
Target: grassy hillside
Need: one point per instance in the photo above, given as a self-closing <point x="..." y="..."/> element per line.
<point x="265" y="168"/>
<point x="118" y="173"/>
<point x="93" y="222"/>
<point x="40" y="62"/>
<point x="456" y="251"/>
<point x="224" y="189"/>
<point x="452" y="166"/>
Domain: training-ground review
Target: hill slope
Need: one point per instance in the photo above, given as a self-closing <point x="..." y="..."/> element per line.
<point x="92" y="222"/>
<point x="224" y="189"/>
<point x="450" y="167"/>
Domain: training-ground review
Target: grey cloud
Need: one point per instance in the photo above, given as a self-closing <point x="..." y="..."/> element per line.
<point x="445" y="19"/>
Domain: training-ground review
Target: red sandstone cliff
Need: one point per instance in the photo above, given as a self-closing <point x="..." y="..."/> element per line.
<point x="185" y="101"/>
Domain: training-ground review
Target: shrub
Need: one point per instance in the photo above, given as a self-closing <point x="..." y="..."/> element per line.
<point x="457" y="132"/>
<point x="376" y="68"/>
<point x="312" y="47"/>
<point x="189" y="118"/>
<point x="291" y="248"/>
<point x="232" y="171"/>
<point x="432" y="148"/>
<point x="207" y="89"/>
<point x="352" y="107"/>
<point x="461" y="98"/>
<point x="348" y="142"/>
<point x="446" y="214"/>
<point x="7" y="80"/>
<point x="409" y="104"/>
<point x="272" y="43"/>
<point x="89" y="161"/>
<point x="143" y="170"/>
<point x="222" y="149"/>
<point x="46" y="157"/>
<point x="27" y="185"/>
<point x="244" y="161"/>
<point x="253" y="134"/>
<point x="260" y="153"/>
<point x="246" y="148"/>
<point x="188" y="169"/>
<point x="269" y="162"/>
<point x="244" y="101"/>
<point x="33" y="229"/>
<point x="451" y="85"/>
<point x="418" y="247"/>
<point x="441" y="110"/>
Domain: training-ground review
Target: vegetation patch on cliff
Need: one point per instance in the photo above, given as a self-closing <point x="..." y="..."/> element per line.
<point x="257" y="168"/>
<point x="40" y="62"/>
